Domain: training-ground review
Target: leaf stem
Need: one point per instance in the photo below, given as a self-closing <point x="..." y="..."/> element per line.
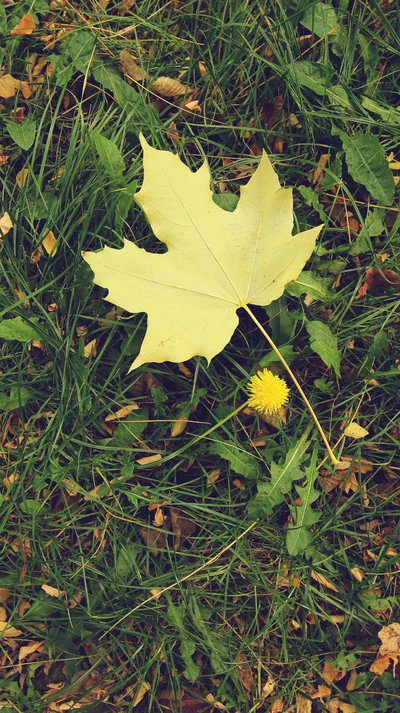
<point x="296" y="383"/>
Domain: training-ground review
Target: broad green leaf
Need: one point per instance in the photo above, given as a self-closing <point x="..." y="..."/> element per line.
<point x="80" y="45"/>
<point x="373" y="226"/>
<point x="309" y="283"/>
<point x="110" y="156"/>
<point x="321" y="19"/>
<point x="312" y="200"/>
<point x="125" y="200"/>
<point x="298" y="536"/>
<point x="18" y="396"/>
<point x="132" y="103"/>
<point x="19" y="329"/>
<point x="31" y="507"/>
<point x="3" y="21"/>
<point x="227" y="201"/>
<point x="125" y="561"/>
<point x="280" y="321"/>
<point x="317" y="77"/>
<point x="241" y="461"/>
<point x="129" y="430"/>
<point x="271" y="358"/>
<point x="24" y="133"/>
<point x="312" y="75"/>
<point x="216" y="261"/>
<point x="324" y="343"/>
<point x="272" y="493"/>
<point x="391" y="115"/>
<point x="176" y="616"/>
<point x="367" y="164"/>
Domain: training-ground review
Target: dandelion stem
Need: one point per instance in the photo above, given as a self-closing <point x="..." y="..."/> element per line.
<point x="296" y="383"/>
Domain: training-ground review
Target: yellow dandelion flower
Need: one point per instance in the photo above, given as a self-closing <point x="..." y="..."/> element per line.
<point x="268" y="392"/>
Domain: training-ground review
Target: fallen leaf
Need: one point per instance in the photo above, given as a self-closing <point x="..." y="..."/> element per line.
<point x="9" y="86"/>
<point x="29" y="649"/>
<point x="268" y="687"/>
<point x="374" y="276"/>
<point x="245" y="672"/>
<point x="335" y="705"/>
<point x="22" y="177"/>
<point x="303" y="705"/>
<point x="25" y="26"/>
<point x="332" y="673"/>
<point x="319" y="170"/>
<point x="90" y="349"/>
<point x="49" y="243"/>
<point x="167" y="87"/>
<point x="193" y="105"/>
<point x="52" y="591"/>
<point x="4" y="593"/>
<point x="148" y="460"/>
<point x="140" y="693"/>
<point x="131" y="68"/>
<point x="179" y="426"/>
<point x="352" y="681"/>
<point x="321" y="692"/>
<point x="182" y="526"/>
<point x="159" y="518"/>
<point x="354" y="430"/>
<point x="5" y="224"/>
<point x="277" y="706"/>
<point x="323" y="580"/>
<point x="7" y="630"/>
<point x="357" y="573"/>
<point x="154" y="539"/>
<point x="389" y="650"/>
<point x="184" y="370"/>
<point x="122" y="412"/>
<point x="192" y="292"/>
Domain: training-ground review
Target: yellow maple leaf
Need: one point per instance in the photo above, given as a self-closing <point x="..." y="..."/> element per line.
<point x="217" y="261"/>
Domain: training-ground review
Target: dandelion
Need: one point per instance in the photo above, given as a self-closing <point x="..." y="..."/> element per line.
<point x="268" y="393"/>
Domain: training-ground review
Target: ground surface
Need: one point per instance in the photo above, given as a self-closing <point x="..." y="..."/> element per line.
<point x="243" y="625"/>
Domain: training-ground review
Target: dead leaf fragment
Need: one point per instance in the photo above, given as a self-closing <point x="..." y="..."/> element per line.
<point x="323" y="580"/>
<point x="90" y="349"/>
<point x="354" y="430"/>
<point x="182" y="526"/>
<point x="25" y="26"/>
<point x="122" y="412"/>
<point x="245" y="672"/>
<point x="148" y="460"/>
<point x="389" y="649"/>
<point x="52" y="591"/>
<point x="22" y="177"/>
<point x="130" y="67"/>
<point x="49" y="243"/>
<point x="277" y="706"/>
<point x="140" y="694"/>
<point x="303" y="705"/>
<point x="30" y="649"/>
<point x="374" y="277"/>
<point x="167" y="87"/>
<point x="179" y="426"/>
<point x="7" y="630"/>
<point x="357" y="573"/>
<point x="5" y="224"/>
<point x="268" y="687"/>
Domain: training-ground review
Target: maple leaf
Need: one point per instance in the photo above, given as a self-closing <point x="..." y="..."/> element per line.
<point x="217" y="261"/>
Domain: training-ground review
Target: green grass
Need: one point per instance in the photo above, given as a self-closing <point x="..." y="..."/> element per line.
<point x="225" y="593"/>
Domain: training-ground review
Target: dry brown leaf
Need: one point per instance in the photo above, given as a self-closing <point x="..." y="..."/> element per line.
<point x="131" y="68"/>
<point x="159" y="518"/>
<point x="122" y="412"/>
<point x="357" y="573"/>
<point x="323" y="580"/>
<point x="374" y="276"/>
<point x="268" y="687"/>
<point x="49" y="243"/>
<point x="277" y="706"/>
<point x="9" y="631"/>
<point x="156" y="592"/>
<point x="8" y="86"/>
<point x="25" y="26"/>
<point x="22" y="177"/>
<point x="212" y="477"/>
<point x="389" y="650"/>
<point x="154" y="539"/>
<point x="181" y="525"/>
<point x="4" y="594"/>
<point x="167" y="87"/>
<point x="303" y="705"/>
<point x="245" y="672"/>
<point x="321" y="692"/>
<point x="351" y="683"/>
<point x="202" y="68"/>
<point x="319" y="171"/>
<point x="354" y="430"/>
<point x="5" y="224"/>
<point x="332" y="673"/>
<point x="335" y="705"/>
<point x="3" y="613"/>
<point x="140" y="693"/>
<point x="148" y="460"/>
<point x="184" y="370"/>
<point x="52" y="591"/>
<point x="179" y="425"/>
<point x="30" y="649"/>
<point x="193" y="105"/>
<point x="90" y="349"/>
